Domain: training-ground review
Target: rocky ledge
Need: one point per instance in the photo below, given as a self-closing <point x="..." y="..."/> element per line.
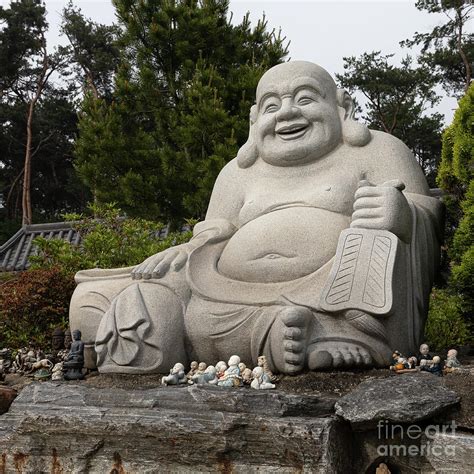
<point x="407" y="398"/>
<point x="76" y="427"/>
<point x="55" y="427"/>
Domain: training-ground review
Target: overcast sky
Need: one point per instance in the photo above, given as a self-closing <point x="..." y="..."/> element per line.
<point x="319" y="31"/>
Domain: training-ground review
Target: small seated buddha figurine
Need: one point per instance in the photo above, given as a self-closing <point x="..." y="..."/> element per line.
<point x="425" y="354"/>
<point x="452" y="363"/>
<point x="75" y="360"/>
<point x="318" y="250"/>
<point x="232" y="377"/>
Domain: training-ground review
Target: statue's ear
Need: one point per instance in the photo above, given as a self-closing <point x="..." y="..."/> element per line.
<point x="253" y="114"/>
<point x="248" y="154"/>
<point x="345" y="101"/>
<point x="353" y="132"/>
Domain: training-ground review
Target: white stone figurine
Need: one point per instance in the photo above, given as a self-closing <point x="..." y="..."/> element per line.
<point x="261" y="381"/>
<point x="452" y="361"/>
<point x="176" y="376"/>
<point x="425" y="355"/>
<point x="57" y="373"/>
<point x="209" y="376"/>
<point x="221" y="367"/>
<point x="193" y="369"/>
<point x="232" y="377"/>
<point x="201" y="368"/>
<point x="318" y="250"/>
<point x="247" y="376"/>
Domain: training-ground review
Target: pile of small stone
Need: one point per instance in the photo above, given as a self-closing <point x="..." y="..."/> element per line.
<point x="232" y="374"/>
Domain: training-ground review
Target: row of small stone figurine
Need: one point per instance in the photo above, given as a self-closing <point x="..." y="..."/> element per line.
<point x="65" y="361"/>
<point x="425" y="362"/>
<point x="233" y="374"/>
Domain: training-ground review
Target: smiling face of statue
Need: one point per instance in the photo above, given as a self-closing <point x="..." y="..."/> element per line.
<point x="298" y="120"/>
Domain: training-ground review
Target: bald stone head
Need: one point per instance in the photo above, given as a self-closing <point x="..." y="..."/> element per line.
<point x="298" y="120"/>
<point x="300" y="116"/>
<point x="291" y="70"/>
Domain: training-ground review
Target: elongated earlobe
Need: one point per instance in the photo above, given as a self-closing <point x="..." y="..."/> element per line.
<point x="248" y="153"/>
<point x="354" y="133"/>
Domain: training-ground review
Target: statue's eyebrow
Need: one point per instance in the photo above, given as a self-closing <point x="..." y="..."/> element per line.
<point x="305" y="82"/>
<point x="266" y="96"/>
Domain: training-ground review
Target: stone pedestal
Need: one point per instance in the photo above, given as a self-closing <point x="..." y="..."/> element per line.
<point x="74" y="428"/>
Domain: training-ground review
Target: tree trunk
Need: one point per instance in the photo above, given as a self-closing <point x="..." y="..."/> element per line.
<point x="26" y="198"/>
<point x="42" y="80"/>
<point x="465" y="60"/>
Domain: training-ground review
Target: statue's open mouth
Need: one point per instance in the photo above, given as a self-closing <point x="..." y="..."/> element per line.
<point x="290" y="132"/>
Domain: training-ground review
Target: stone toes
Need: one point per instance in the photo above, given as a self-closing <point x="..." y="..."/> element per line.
<point x="366" y="357"/>
<point x="293" y="359"/>
<point x="293" y="346"/>
<point x="347" y="356"/>
<point x="338" y="358"/>
<point x="358" y="357"/>
<point x="298" y="317"/>
<point x="320" y="360"/>
<point x="293" y="334"/>
<point x="291" y="369"/>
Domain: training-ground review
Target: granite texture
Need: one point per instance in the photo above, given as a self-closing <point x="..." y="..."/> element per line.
<point x="318" y="250"/>
<point x="407" y="398"/>
<point x="74" y="428"/>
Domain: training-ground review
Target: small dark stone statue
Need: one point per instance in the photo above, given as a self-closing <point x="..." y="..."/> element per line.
<point x="57" y="341"/>
<point x="75" y="360"/>
<point x="67" y="339"/>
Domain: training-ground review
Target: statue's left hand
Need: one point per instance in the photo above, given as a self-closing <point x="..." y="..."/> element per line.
<point x="383" y="207"/>
<point x="159" y="264"/>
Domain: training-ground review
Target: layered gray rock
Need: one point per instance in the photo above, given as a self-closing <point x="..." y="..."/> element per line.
<point x="74" y="428"/>
<point x="407" y="398"/>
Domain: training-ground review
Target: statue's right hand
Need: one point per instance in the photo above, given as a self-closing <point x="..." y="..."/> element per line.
<point x="159" y="264"/>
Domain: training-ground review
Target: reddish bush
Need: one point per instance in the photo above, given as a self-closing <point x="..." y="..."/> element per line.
<point x="32" y="304"/>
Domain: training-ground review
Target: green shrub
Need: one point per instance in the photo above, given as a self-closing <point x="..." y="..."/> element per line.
<point x="108" y="241"/>
<point x="446" y="327"/>
<point x="36" y="301"/>
<point x="32" y="304"/>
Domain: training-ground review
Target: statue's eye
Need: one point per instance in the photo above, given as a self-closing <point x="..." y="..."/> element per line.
<point x="270" y="108"/>
<point x="305" y="100"/>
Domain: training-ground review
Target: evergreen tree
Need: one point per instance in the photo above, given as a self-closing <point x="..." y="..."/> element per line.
<point x="448" y="50"/>
<point x="180" y="106"/>
<point x="456" y="178"/>
<point x="93" y="52"/>
<point x="26" y="78"/>
<point x="397" y="99"/>
<point x="452" y="307"/>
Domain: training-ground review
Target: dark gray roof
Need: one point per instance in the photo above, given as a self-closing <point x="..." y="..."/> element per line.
<point x="14" y="253"/>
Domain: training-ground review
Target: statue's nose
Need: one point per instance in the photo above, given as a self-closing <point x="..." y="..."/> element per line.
<point x="287" y="110"/>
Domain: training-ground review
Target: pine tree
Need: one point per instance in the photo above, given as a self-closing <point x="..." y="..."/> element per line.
<point x="180" y="106"/>
<point x="397" y="100"/>
<point x="447" y="50"/>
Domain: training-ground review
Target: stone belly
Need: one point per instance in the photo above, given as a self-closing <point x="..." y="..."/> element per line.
<point x="282" y="245"/>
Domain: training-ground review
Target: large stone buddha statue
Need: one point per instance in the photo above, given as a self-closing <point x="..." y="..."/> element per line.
<point x="318" y="250"/>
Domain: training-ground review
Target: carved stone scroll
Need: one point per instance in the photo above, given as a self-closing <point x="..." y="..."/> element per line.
<point x="362" y="273"/>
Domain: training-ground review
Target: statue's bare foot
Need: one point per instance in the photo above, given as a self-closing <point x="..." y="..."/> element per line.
<point x="292" y="325"/>
<point x="337" y="355"/>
